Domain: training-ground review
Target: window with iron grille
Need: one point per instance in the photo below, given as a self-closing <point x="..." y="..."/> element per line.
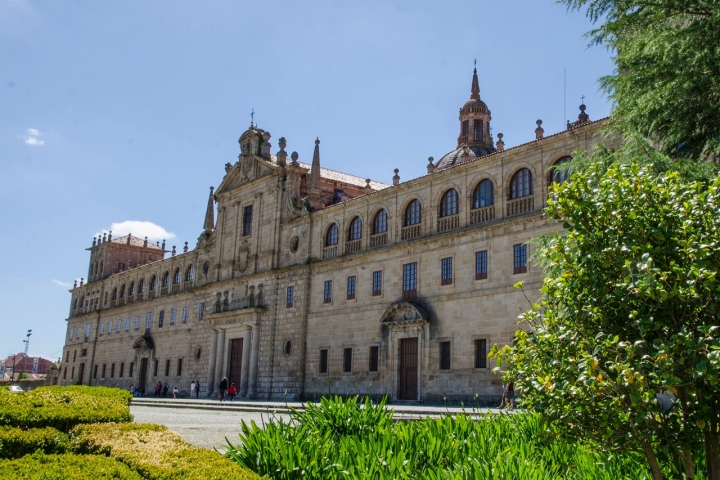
<point x="247" y="220"/>
<point x="444" y="355"/>
<point x="290" y="297"/>
<point x="481" y="265"/>
<point x="347" y="360"/>
<point x="374" y="359"/>
<point x="323" y="361"/>
<point x="446" y="271"/>
<point x="519" y="259"/>
<point x="409" y="281"/>
<point x="172" y="316"/>
<point x="161" y="318"/>
<point x="481" y="353"/>
<point x="351" y="287"/>
<point x="327" y="292"/>
<point x="377" y="283"/>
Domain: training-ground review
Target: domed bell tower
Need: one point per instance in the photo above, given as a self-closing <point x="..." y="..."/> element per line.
<point x="475" y="122"/>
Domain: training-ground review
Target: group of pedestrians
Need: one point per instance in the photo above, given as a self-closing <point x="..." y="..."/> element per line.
<point x="223" y="388"/>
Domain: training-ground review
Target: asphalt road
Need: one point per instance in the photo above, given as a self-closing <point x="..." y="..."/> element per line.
<point x="203" y="428"/>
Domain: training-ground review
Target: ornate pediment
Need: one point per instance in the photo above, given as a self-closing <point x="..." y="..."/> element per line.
<point x="254" y="160"/>
<point x="144" y="343"/>
<point x="404" y="313"/>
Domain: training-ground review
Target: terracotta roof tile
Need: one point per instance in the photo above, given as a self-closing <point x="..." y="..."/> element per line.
<point x="134" y="241"/>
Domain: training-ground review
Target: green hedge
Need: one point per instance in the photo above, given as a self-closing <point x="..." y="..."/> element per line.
<point x="14" y="442"/>
<point x="67" y="466"/>
<point x="62" y="408"/>
<point x="95" y="391"/>
<point x="155" y="452"/>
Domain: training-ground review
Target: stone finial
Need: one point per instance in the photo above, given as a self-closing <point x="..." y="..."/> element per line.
<point x="539" y="130"/>
<point x="185" y="248"/>
<point x="282" y="154"/>
<point x="294" y="157"/>
<point x="583" y="118"/>
<point x="145" y="243"/>
<point x="265" y="146"/>
<point x="228" y="167"/>
<point x="104" y="239"/>
<point x="431" y="165"/>
<point x="367" y="186"/>
<point x="396" y="177"/>
<point x="282" y="143"/>
<point x="500" y="144"/>
<point x="128" y="239"/>
<point x="110" y="236"/>
<point x="173" y="251"/>
<point x="94" y="241"/>
<point x="163" y="245"/>
<point x="75" y="284"/>
<point x="82" y="282"/>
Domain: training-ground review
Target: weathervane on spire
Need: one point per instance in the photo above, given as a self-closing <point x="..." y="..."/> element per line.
<point x="475" y="62"/>
<point x="252" y="117"/>
<point x="583" y="99"/>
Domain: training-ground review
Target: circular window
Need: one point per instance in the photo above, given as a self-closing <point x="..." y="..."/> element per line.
<point x="287" y="348"/>
<point x="206" y="267"/>
<point x="198" y="353"/>
<point x="294" y="243"/>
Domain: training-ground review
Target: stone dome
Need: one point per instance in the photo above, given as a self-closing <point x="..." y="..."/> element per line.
<point x="457" y="156"/>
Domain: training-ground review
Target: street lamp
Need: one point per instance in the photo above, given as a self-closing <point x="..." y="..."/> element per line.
<point x="27" y="344"/>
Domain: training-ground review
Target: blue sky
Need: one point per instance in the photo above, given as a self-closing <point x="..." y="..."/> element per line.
<point x="115" y="112"/>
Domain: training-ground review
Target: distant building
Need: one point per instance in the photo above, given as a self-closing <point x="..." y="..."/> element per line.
<point x="33" y="365"/>
<point x="313" y="280"/>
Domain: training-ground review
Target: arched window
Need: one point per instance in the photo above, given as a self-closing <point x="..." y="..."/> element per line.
<point x="331" y="237"/>
<point x="449" y="203"/>
<point x="101" y="268"/>
<point x="114" y="294"/>
<point x="132" y="289"/>
<point x="141" y="285"/>
<point x="177" y="277"/>
<point x="82" y="301"/>
<point x="412" y="213"/>
<point x="521" y="184"/>
<point x="559" y="176"/>
<point x="484" y="195"/>
<point x="380" y="222"/>
<point x="355" y="232"/>
<point x="75" y="302"/>
<point x="95" y="268"/>
<point x="190" y="274"/>
<point x="166" y="279"/>
<point x="153" y="283"/>
<point x="122" y="291"/>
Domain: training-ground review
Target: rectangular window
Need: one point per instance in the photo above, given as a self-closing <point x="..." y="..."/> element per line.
<point x="374" y="359"/>
<point x="185" y="314"/>
<point x="72" y="331"/>
<point x="102" y="328"/>
<point x="67" y="357"/>
<point x="167" y="367"/>
<point x="72" y="374"/>
<point x="179" y="369"/>
<point x="137" y="323"/>
<point x="519" y="258"/>
<point x="155" y="367"/>
<point x="327" y="292"/>
<point x="478" y="130"/>
<point x="83" y="352"/>
<point x="65" y="373"/>
<point x="94" y="371"/>
<point x="466" y="127"/>
<point x="74" y="355"/>
<point x="127" y="324"/>
<point x="444" y="355"/>
<point x="446" y="271"/>
<point x="481" y="265"/>
<point x="409" y="281"/>
<point x="148" y="320"/>
<point x="112" y="371"/>
<point x="377" y="283"/>
<point x="481" y="353"/>
<point x="290" y="297"/>
<point x="130" y="370"/>
<point x="87" y="330"/>
<point x="201" y="311"/>
<point x="161" y="318"/>
<point x="247" y="220"/>
<point x="172" y="316"/>
<point x="323" y="361"/>
<point x="118" y="326"/>
<point x="103" y="371"/>
<point x="351" y="287"/>
<point x="347" y="360"/>
<point x="122" y="370"/>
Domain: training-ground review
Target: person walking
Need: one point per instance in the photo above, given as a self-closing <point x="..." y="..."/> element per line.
<point x="222" y="388"/>
<point x="165" y="389"/>
<point x="509" y="395"/>
<point x="232" y="391"/>
<point x="197" y="388"/>
<point x="192" y="389"/>
<point x="175" y="391"/>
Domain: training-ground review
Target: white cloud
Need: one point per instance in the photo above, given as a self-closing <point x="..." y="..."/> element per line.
<point x="139" y="229"/>
<point x="32" y="137"/>
<point x="62" y="284"/>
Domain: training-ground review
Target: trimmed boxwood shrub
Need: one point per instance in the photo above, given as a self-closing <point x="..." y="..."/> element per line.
<point x="155" y="452"/>
<point x="95" y="391"/>
<point x="62" y="408"/>
<point x="40" y="466"/>
<point x="14" y="442"/>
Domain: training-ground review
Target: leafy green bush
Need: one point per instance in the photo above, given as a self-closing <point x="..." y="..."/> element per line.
<point x="14" y="442"/>
<point x="65" y="467"/>
<point x="62" y="408"/>
<point x="322" y="443"/>
<point x="155" y="452"/>
<point x="95" y="391"/>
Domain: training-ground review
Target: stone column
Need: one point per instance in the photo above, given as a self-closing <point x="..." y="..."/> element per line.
<point x="220" y="359"/>
<point x="211" y="367"/>
<point x="244" y="373"/>
<point x="252" y="380"/>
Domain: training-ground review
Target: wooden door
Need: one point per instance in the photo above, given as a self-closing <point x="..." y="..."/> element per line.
<point x="236" y="354"/>
<point x="143" y="374"/>
<point x="408" y="384"/>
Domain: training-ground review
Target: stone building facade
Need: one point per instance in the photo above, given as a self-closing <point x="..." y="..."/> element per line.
<point x="312" y="281"/>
